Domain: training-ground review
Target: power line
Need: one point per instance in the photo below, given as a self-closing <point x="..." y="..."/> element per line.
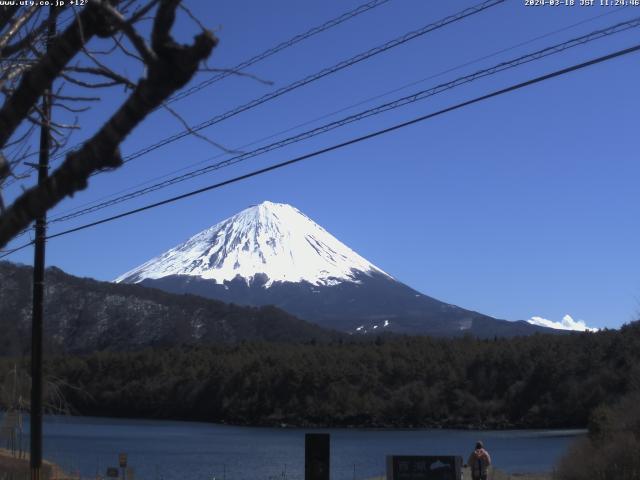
<point x="365" y="7"/>
<point x="467" y="12"/>
<point x="458" y="106"/>
<point x="273" y="50"/>
<point x="6" y="253"/>
<point x="321" y="74"/>
<point x="349" y="107"/>
<point x="620" y="27"/>
<point x="317" y="76"/>
<point x="314" y="77"/>
<point x="400" y="102"/>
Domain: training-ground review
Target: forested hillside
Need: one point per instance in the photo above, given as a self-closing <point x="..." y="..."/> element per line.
<point x="85" y="315"/>
<point x="610" y="451"/>
<point x="537" y="381"/>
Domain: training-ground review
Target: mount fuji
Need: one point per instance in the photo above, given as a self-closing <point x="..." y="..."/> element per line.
<point x="273" y="254"/>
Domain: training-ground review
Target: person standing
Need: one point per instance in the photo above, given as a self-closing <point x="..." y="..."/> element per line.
<point x="479" y="462"/>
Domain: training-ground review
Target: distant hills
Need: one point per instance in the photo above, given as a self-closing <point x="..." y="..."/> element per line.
<point x="85" y="315"/>
<point x="128" y="350"/>
<point x="273" y="254"/>
<point x="268" y="273"/>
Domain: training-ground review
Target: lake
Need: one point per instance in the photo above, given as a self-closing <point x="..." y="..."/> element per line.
<point x="168" y="450"/>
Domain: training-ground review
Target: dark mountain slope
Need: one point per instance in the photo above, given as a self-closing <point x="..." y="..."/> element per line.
<point x="372" y="304"/>
<point x="273" y="254"/>
<point x="84" y="315"/>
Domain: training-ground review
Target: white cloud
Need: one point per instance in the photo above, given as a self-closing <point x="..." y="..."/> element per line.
<point x="567" y="323"/>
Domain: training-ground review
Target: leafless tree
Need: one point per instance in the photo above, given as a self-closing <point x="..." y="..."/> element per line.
<point x="81" y="56"/>
<point x="15" y="399"/>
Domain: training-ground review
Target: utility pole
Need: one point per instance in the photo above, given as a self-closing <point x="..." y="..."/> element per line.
<point x="38" y="279"/>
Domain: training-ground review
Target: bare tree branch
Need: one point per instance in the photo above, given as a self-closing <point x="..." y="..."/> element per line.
<point x="4" y="168"/>
<point x="70" y="109"/>
<point x="104" y="72"/>
<point x="173" y="67"/>
<point x="193" y="17"/>
<point x="126" y="51"/>
<point x="20" y="138"/>
<point x="141" y="12"/>
<point x="8" y="50"/>
<point x="76" y="98"/>
<point x="16" y="71"/>
<point x="138" y="42"/>
<point x="40" y="123"/>
<point x="33" y="83"/>
<point x="6" y="14"/>
<point x="107" y="51"/>
<point x="83" y="84"/>
<point x="16" y="26"/>
<point x="185" y="124"/>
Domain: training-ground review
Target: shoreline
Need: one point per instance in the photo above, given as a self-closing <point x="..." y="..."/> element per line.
<point x="11" y="464"/>
<point x="566" y="431"/>
<point x="519" y="468"/>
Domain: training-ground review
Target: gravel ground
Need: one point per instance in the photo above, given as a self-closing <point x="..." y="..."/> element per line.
<point x="499" y="475"/>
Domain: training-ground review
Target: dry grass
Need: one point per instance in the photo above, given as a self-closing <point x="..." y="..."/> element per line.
<point x="495" y="474"/>
<point x="19" y="467"/>
<point x="499" y="475"/>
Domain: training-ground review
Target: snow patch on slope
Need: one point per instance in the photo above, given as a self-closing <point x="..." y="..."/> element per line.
<point x="273" y="239"/>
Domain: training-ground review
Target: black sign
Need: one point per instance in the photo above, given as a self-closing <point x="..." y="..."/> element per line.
<point x="112" y="472"/>
<point x="316" y="456"/>
<point x="424" y="468"/>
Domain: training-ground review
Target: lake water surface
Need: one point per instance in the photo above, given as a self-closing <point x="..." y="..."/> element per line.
<point x="197" y="451"/>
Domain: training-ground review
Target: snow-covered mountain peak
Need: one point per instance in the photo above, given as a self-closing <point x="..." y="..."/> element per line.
<point x="273" y="239"/>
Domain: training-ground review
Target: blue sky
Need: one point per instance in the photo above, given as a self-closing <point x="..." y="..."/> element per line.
<point x="521" y="206"/>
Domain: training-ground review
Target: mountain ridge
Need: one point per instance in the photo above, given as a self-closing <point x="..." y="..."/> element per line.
<point x="85" y="315"/>
<point x="273" y="254"/>
<point x="372" y="306"/>
<point x="272" y="239"/>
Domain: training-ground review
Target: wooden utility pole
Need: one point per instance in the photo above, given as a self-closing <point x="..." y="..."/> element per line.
<point x="38" y="280"/>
